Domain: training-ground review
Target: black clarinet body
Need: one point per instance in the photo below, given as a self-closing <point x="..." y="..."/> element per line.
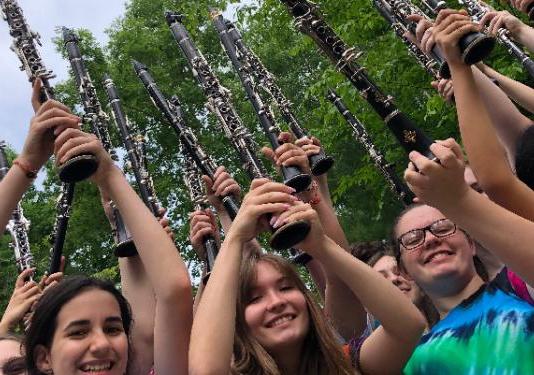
<point x="59" y="233"/>
<point x="98" y="121"/>
<point x="265" y="80"/>
<point x="17" y="226"/>
<point x="188" y="142"/>
<point x="196" y="193"/>
<point x="428" y="63"/>
<point x="135" y="147"/>
<point x="292" y="175"/>
<point x="219" y="103"/>
<point x="309" y="21"/>
<point x="25" y="42"/>
<point x="401" y="190"/>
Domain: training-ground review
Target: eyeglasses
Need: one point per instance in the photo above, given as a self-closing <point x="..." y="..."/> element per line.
<point x="416" y="237"/>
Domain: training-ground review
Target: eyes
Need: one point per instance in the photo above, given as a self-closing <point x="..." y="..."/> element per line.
<point x="82" y="332"/>
<point x="257" y="295"/>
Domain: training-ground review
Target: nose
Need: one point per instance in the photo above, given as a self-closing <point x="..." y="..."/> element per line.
<point x="394" y="278"/>
<point x="431" y="240"/>
<point x="100" y="343"/>
<point x="276" y="301"/>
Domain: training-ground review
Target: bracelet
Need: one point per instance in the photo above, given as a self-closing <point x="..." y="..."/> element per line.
<point x="26" y="168"/>
<point x="313" y="189"/>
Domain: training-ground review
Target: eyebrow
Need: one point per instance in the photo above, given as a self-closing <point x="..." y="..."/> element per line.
<point x="85" y="322"/>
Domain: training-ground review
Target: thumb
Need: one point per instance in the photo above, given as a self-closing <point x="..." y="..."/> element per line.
<point x="208" y="182"/>
<point x="36" y="94"/>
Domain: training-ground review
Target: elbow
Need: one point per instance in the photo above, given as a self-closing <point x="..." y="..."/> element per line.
<point x="176" y="290"/>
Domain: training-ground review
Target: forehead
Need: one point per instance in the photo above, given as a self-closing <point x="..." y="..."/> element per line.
<point x="385" y="263"/>
<point x="8" y="349"/>
<point x="418" y="217"/>
<point x="91" y="305"/>
<point x="266" y="273"/>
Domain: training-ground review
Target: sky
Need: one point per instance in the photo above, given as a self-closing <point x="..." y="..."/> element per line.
<point x="44" y="17"/>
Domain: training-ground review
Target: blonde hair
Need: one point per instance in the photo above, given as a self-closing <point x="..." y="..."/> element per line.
<point x="322" y="353"/>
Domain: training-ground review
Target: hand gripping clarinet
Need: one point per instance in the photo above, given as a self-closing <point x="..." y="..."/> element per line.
<point x="135" y="146"/>
<point x="309" y="21"/>
<point x="428" y="63"/>
<point x="18" y="225"/>
<point x="474" y="46"/>
<point x="477" y="9"/>
<point x="25" y="46"/>
<point x="220" y="104"/>
<point x="402" y="191"/>
<point x="252" y="65"/>
<point x="99" y="122"/>
<point x="196" y="193"/>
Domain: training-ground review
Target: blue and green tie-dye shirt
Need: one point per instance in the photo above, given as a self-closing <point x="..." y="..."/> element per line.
<point x="492" y="332"/>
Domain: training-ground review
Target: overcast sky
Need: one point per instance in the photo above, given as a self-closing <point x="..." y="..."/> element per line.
<point x="43" y="17"/>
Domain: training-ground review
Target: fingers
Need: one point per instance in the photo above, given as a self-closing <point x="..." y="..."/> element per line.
<point x="303" y="141"/>
<point x="224" y="184"/>
<point x="50" y="104"/>
<point x="36" y="94"/>
<point x="268" y="153"/>
<point x="427" y="40"/>
<point x="286" y="137"/>
<point x="23" y="276"/>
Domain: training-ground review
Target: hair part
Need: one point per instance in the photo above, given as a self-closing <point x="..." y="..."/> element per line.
<point x="322" y="352"/>
<point x="44" y="321"/>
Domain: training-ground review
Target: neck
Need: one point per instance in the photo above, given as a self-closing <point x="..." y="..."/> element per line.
<point x="448" y="298"/>
<point x="288" y="360"/>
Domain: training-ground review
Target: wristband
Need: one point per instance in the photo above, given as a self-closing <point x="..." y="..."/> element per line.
<point x="26" y="168"/>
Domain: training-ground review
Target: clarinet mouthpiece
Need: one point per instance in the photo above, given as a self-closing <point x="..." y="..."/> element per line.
<point x="173" y="17"/>
<point x="139" y="67"/>
<point x="68" y="35"/>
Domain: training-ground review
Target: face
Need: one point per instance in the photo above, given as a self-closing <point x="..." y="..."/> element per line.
<point x="387" y="267"/>
<point x="8" y="349"/>
<point x="437" y="259"/>
<point x="277" y="312"/>
<point x="89" y="338"/>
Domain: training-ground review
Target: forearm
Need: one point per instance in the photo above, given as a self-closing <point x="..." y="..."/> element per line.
<point x="511" y="243"/>
<point x="520" y="93"/>
<point x="224" y="218"/>
<point x="508" y="121"/>
<point x="525" y="36"/>
<point x="214" y="323"/>
<point x="4" y="328"/>
<point x="397" y="314"/>
<point x="165" y="269"/>
<point x="12" y="188"/>
<point x="485" y="153"/>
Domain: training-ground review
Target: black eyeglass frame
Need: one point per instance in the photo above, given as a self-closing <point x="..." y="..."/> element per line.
<point x="425" y="229"/>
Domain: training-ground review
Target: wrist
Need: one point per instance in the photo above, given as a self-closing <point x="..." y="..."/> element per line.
<point x="4" y="327"/>
<point x="107" y="176"/>
<point x="27" y="167"/>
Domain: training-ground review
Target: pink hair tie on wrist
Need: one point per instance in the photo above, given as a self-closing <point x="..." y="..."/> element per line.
<point x="26" y="168"/>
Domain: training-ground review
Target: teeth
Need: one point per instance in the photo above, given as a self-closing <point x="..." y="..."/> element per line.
<point x="281" y="320"/>
<point x="96" y="368"/>
<point x="438" y="256"/>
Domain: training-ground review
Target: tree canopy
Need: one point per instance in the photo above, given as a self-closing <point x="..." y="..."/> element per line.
<point x="363" y="201"/>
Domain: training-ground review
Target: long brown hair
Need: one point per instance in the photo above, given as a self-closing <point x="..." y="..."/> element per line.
<point x="322" y="354"/>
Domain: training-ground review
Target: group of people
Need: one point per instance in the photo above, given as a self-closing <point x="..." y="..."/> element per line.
<point x="450" y="294"/>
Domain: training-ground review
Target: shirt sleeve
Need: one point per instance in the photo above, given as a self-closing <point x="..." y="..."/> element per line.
<point x="520" y="288"/>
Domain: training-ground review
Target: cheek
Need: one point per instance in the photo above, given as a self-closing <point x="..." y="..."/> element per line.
<point x="253" y="315"/>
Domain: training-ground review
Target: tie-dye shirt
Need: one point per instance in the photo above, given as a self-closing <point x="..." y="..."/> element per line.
<point x="491" y="332"/>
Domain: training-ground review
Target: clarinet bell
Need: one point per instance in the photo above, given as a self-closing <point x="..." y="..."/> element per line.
<point x="320" y="163"/>
<point x="125" y="249"/>
<point x="293" y="177"/>
<point x="476" y="47"/>
<point x="78" y="168"/>
<point x="289" y="235"/>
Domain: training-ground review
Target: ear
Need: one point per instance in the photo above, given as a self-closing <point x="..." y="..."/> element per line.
<point x="471" y="243"/>
<point x="42" y="359"/>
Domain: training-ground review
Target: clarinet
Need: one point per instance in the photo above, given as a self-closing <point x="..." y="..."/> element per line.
<point x="99" y="122"/>
<point x="196" y="193"/>
<point x="17" y="226"/>
<point x="427" y="62"/>
<point x="251" y="63"/>
<point x="309" y="21"/>
<point x="188" y="142"/>
<point x="477" y="10"/>
<point x="401" y="190"/>
<point x="25" y="42"/>
<point x="135" y="147"/>
<point x="433" y="63"/>
<point x="293" y="176"/>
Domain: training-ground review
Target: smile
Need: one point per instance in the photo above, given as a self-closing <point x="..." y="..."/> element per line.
<point x="97" y="367"/>
<point x="437" y="255"/>
<point x="280" y="320"/>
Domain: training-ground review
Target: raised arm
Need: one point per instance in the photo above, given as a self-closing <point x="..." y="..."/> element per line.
<point x="215" y="318"/>
<point x="165" y="269"/>
<point x="485" y="153"/>
<point x="443" y="186"/>
<point x="388" y="349"/>
<point x="522" y="33"/>
<point x="50" y="119"/>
